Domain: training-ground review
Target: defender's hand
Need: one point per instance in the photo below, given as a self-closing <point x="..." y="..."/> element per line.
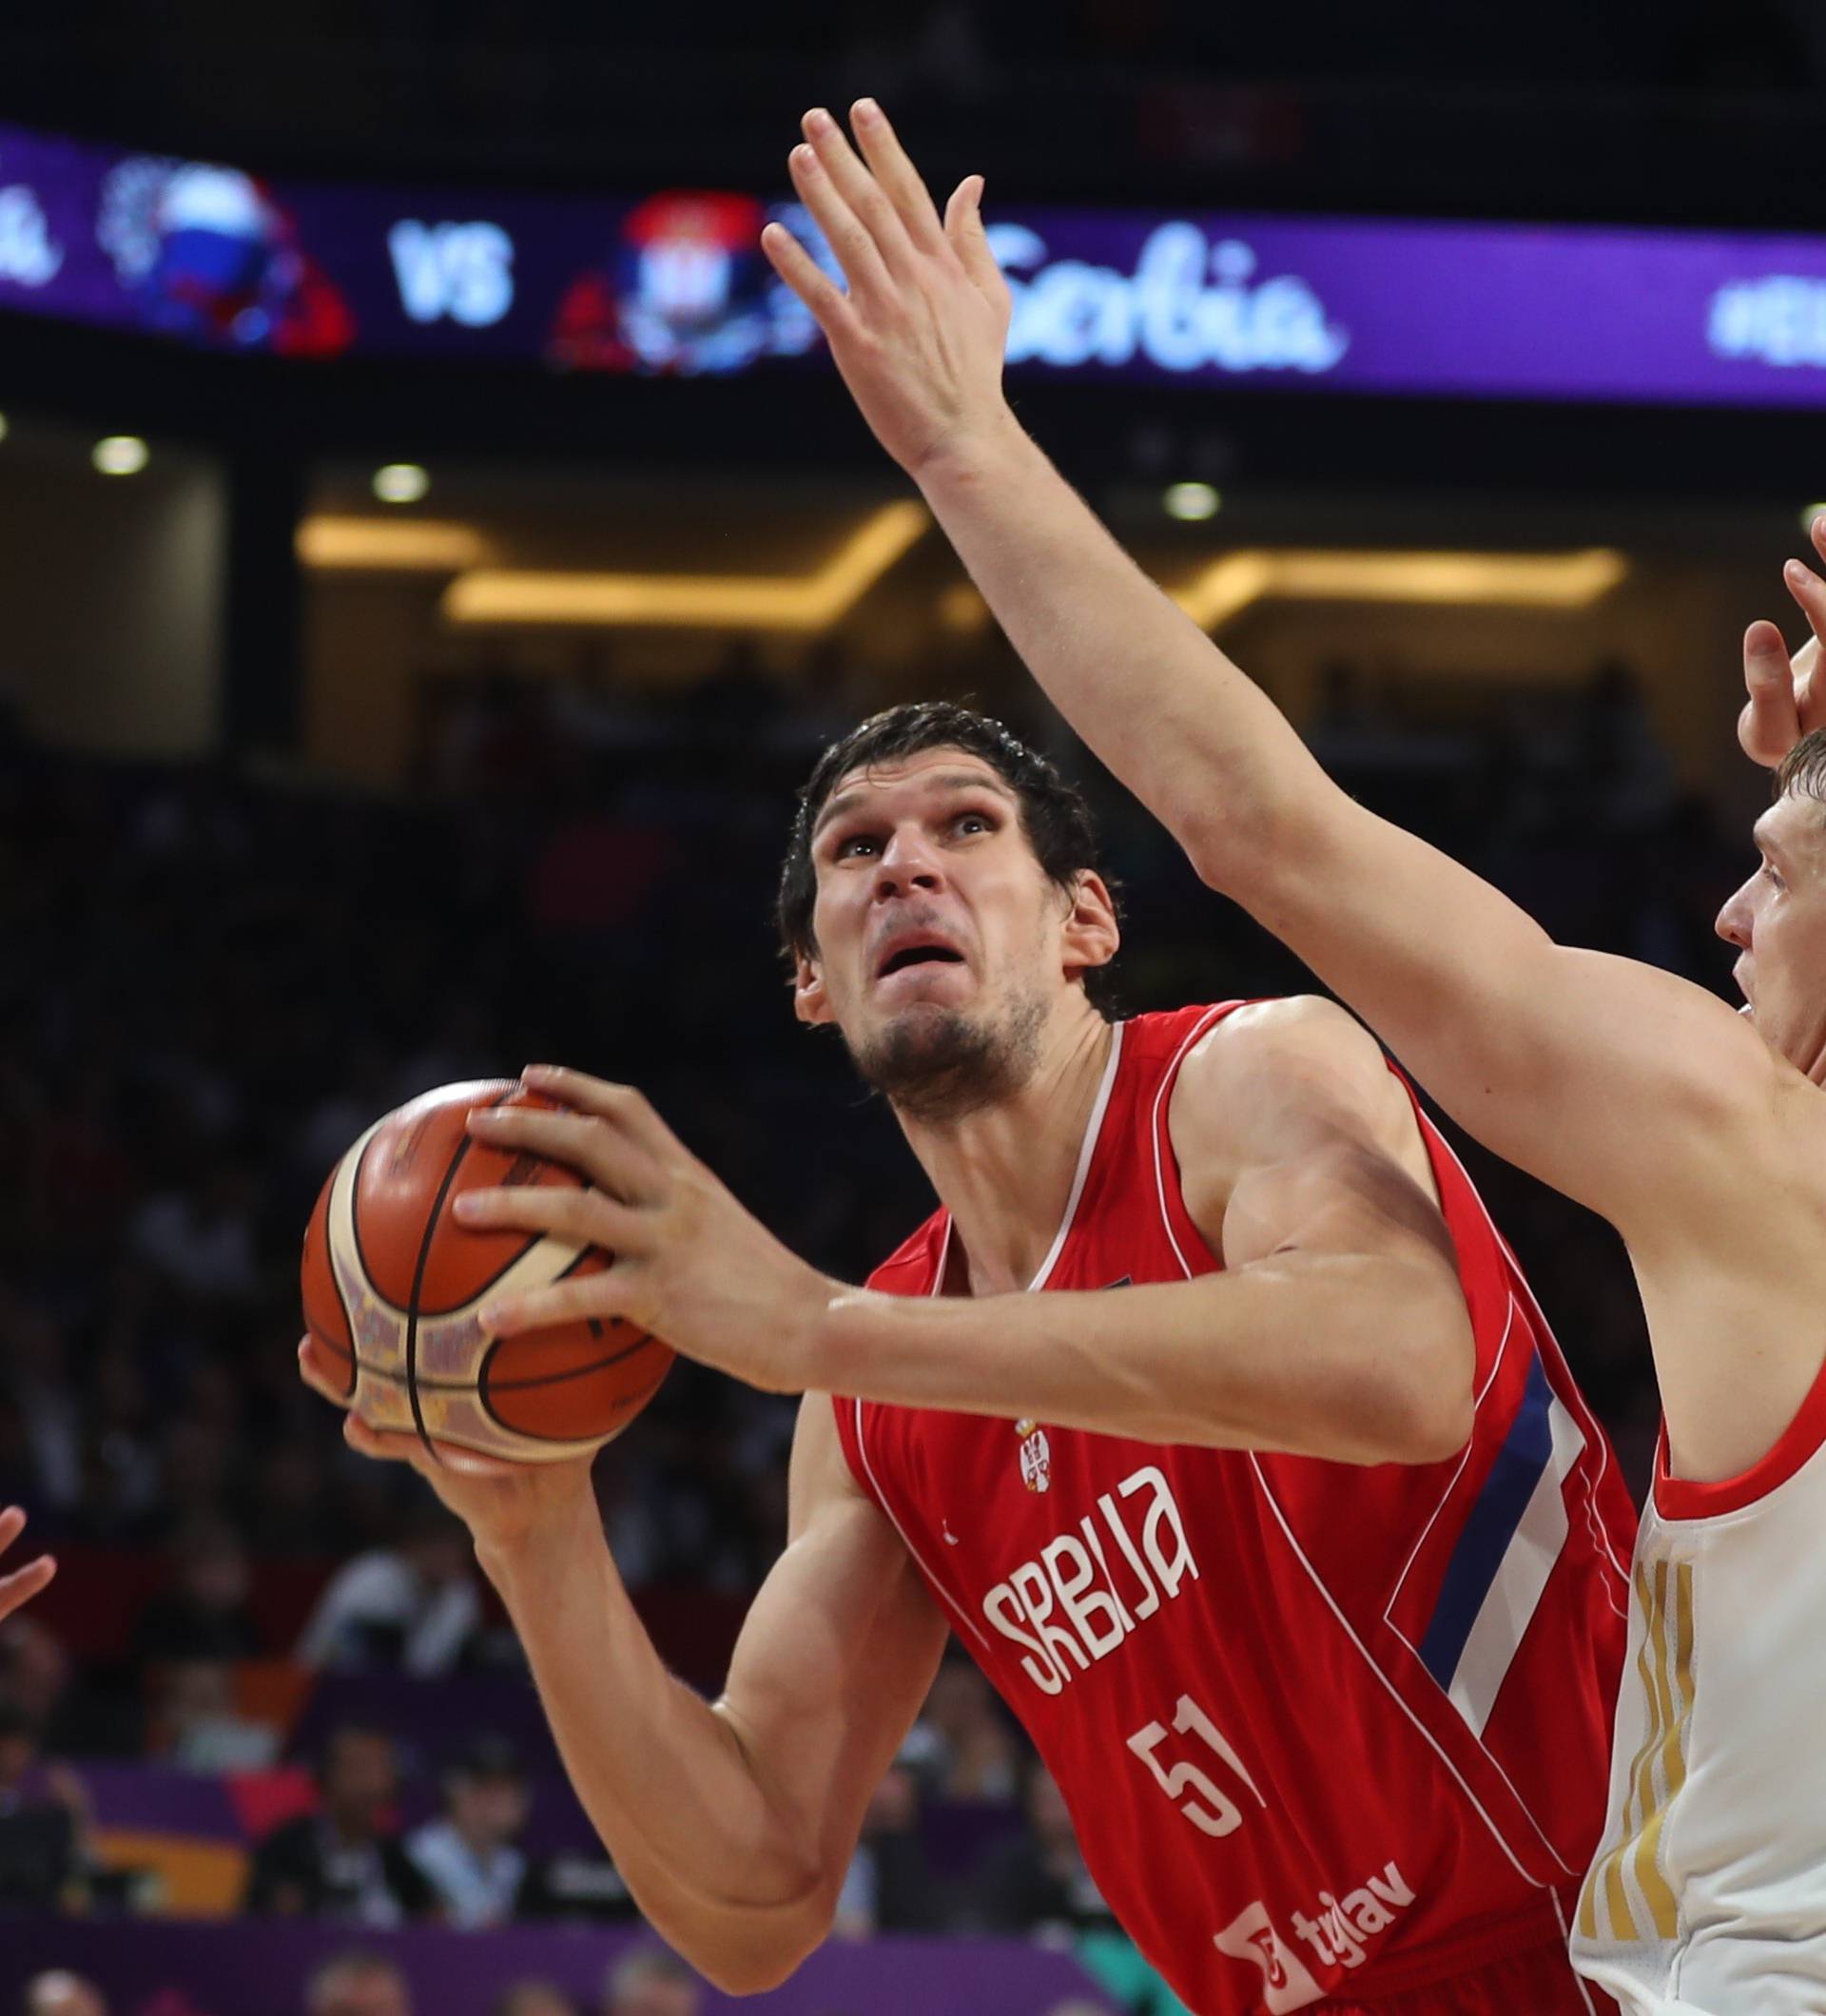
<point x="920" y="336"/>
<point x="690" y="1263"/>
<point x="22" y="1583"/>
<point x="1787" y="697"/>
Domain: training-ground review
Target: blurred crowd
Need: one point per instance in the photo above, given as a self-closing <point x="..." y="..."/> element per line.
<point x="214" y="982"/>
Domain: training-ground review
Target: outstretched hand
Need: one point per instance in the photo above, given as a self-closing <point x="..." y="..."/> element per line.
<point x="1787" y="697"/>
<point x="22" y="1583"/>
<point x="920" y="334"/>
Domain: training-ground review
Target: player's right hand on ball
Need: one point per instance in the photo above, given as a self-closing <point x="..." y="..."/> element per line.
<point x="502" y="1503"/>
<point x="1787" y="697"/>
<point x="921" y="334"/>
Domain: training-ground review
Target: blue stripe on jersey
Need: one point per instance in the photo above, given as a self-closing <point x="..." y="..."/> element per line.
<point x="1490" y="1528"/>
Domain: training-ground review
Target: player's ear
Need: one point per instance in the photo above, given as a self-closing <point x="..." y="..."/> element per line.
<point x="809" y="1001"/>
<point x="1092" y="936"/>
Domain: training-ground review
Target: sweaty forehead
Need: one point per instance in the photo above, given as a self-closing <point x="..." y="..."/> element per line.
<point x="946" y="771"/>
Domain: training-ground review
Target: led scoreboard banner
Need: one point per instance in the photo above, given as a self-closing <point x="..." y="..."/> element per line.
<point x="211" y="255"/>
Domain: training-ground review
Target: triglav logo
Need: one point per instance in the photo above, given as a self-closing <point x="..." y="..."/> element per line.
<point x="1189" y="305"/>
<point x="1336" y="1931"/>
<point x="27" y="257"/>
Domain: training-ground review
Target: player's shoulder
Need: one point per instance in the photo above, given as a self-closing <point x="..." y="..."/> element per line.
<point x="908" y="1270"/>
<point x="1278" y="1046"/>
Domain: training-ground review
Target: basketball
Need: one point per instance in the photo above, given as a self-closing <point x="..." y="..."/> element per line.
<point x="394" y="1288"/>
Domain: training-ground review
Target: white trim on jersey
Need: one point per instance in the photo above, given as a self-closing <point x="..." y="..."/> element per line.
<point x="1167" y="1079"/>
<point x="1317" y="1580"/>
<point x="880" y="1499"/>
<point x="1566" y="1933"/>
<point x="1458" y="1471"/>
<point x="1394" y="1693"/>
<point x="1509" y="1608"/>
<point x="1586" y="1419"/>
<point x="1087" y="1148"/>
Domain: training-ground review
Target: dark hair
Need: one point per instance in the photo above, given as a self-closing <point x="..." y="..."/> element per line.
<point x="1803" y="769"/>
<point x="1055" y="815"/>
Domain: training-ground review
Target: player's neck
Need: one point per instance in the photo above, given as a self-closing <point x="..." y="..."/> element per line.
<point x="1005" y="1173"/>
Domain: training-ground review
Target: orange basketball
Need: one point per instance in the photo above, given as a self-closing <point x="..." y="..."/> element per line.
<point x="394" y="1288"/>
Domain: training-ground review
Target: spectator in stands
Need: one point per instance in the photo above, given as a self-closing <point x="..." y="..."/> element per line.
<point x="534" y="1998"/>
<point x="200" y="1239"/>
<point x="962" y="1742"/>
<point x="358" y="1984"/>
<point x="58" y="1994"/>
<point x="204" y="1614"/>
<point x="1038" y="1884"/>
<point x="468" y="1856"/>
<point x="651" y="1981"/>
<point x="343" y="1861"/>
<point x="194" y="1722"/>
<point x="889" y="1886"/>
<point x="415" y="1606"/>
<point x="43" y="1851"/>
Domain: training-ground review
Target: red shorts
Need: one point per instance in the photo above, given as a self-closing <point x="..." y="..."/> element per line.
<point x="1539" y="1982"/>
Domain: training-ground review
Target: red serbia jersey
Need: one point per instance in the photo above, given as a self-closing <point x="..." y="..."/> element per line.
<point x="1324" y="1730"/>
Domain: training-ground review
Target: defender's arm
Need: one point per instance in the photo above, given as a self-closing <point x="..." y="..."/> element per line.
<point x="1631" y="1091"/>
<point x="1338" y="1329"/>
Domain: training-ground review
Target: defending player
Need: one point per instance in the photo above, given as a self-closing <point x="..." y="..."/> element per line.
<point x="22" y="1583"/>
<point x="1699" y="1133"/>
<point x="1302" y="1569"/>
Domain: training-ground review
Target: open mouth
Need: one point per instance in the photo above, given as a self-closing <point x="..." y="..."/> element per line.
<point x="918" y="956"/>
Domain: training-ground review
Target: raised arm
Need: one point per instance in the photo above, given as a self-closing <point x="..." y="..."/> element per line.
<point x="733" y="1822"/>
<point x="1625" y="1087"/>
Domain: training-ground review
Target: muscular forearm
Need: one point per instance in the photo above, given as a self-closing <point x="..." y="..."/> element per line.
<point x="1359" y="1358"/>
<point x="1208" y="753"/>
<point x="710" y="1859"/>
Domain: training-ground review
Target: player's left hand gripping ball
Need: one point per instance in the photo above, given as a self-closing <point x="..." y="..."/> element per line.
<point x="690" y="1264"/>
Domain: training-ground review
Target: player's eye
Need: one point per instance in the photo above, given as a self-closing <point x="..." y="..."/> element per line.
<point x="973" y="823"/>
<point x="851" y="845"/>
<point x="1772" y="877"/>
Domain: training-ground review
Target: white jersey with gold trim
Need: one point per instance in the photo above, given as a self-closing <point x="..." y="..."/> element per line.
<point x="1708" y="1896"/>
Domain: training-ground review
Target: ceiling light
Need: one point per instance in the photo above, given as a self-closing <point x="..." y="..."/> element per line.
<point x="400" y="483"/>
<point x="120" y="454"/>
<point x="1190" y="501"/>
<point x="1571" y="580"/>
<point x="962" y="609"/>
<point x="803" y="602"/>
<point x="399" y="545"/>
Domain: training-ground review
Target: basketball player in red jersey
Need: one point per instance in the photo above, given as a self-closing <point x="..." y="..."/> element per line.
<point x="1696" y="1132"/>
<point x="1275" y="1518"/>
<point x="22" y="1583"/>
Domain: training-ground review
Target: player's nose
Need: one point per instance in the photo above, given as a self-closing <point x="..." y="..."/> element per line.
<point x="1733" y="923"/>
<point x="908" y="862"/>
